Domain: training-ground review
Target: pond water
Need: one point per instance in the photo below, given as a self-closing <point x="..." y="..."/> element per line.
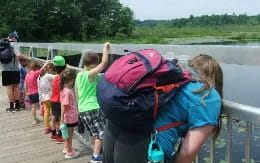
<point x="239" y="43"/>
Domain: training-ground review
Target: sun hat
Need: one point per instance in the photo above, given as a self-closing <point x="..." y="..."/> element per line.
<point x="59" y="61"/>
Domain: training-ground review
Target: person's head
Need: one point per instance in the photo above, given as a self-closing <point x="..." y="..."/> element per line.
<point x="50" y="68"/>
<point x="34" y="66"/>
<point x="67" y="78"/>
<point x="24" y="62"/>
<point x="12" y="37"/>
<point x="211" y="75"/>
<point x="90" y="60"/>
<point x="210" y="72"/>
<point x="59" y="63"/>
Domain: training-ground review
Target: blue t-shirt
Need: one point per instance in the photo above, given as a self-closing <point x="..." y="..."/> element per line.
<point x="186" y="105"/>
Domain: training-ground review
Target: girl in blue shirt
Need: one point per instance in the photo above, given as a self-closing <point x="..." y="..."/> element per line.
<point x="199" y="104"/>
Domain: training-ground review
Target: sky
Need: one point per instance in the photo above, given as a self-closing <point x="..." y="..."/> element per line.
<point x="171" y="9"/>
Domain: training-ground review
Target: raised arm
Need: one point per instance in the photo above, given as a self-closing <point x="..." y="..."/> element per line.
<point x="22" y="56"/>
<point x="192" y="143"/>
<point x="100" y="67"/>
<point x="45" y="64"/>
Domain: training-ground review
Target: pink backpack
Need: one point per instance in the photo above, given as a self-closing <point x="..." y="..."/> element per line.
<point x="136" y="85"/>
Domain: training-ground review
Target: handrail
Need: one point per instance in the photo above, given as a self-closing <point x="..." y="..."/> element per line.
<point x="235" y="53"/>
<point x="231" y="109"/>
<point x="241" y="111"/>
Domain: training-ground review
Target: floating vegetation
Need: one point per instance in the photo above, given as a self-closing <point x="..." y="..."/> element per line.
<point x="220" y="143"/>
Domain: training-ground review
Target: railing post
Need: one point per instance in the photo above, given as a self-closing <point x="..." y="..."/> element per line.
<point x="212" y="150"/>
<point x="248" y="142"/>
<point x="196" y="159"/>
<point x="81" y="59"/>
<point x="33" y="52"/>
<point x="52" y="53"/>
<point x="229" y="140"/>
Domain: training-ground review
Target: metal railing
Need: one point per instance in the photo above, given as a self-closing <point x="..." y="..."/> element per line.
<point x="232" y="110"/>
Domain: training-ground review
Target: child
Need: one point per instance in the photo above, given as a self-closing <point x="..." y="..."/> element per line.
<point x="23" y="65"/>
<point x="45" y="90"/>
<point x="69" y="113"/>
<point x="31" y="87"/>
<point x="59" y="63"/>
<point x="86" y="82"/>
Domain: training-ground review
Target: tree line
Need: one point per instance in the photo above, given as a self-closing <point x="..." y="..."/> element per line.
<point x="203" y="21"/>
<point x="56" y="20"/>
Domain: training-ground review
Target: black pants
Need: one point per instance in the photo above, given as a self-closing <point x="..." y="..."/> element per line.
<point x="121" y="146"/>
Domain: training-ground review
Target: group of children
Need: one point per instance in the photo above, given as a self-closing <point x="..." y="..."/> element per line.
<point x="53" y="84"/>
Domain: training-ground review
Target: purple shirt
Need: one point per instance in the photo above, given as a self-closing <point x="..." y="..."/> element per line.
<point x="67" y="98"/>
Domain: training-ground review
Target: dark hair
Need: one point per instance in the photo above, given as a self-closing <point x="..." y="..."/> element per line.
<point x="90" y="59"/>
<point x="34" y="65"/>
<point x="59" y="69"/>
<point x="66" y="76"/>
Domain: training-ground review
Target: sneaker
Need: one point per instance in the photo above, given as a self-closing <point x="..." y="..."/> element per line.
<point x="47" y="130"/>
<point x="54" y="137"/>
<point x="59" y="140"/>
<point x="72" y="154"/>
<point x="12" y="110"/>
<point x="98" y="159"/>
<point x="64" y="151"/>
<point x="35" y="122"/>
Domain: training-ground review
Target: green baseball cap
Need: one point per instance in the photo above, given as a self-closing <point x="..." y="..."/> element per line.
<point x="59" y="61"/>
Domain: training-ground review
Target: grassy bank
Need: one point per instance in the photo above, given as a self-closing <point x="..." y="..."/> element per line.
<point x="186" y="35"/>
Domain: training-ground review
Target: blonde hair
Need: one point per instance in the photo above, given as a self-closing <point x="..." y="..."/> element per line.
<point x="212" y="77"/>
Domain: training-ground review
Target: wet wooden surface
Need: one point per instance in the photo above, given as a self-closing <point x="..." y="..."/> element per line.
<point x="21" y="142"/>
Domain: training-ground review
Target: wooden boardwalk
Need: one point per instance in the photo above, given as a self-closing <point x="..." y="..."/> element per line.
<point x="21" y="142"/>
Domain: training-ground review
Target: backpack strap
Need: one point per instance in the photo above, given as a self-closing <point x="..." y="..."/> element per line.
<point x="171" y="125"/>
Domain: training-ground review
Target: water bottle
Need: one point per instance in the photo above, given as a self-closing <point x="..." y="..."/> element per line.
<point x="155" y="153"/>
<point x="64" y="131"/>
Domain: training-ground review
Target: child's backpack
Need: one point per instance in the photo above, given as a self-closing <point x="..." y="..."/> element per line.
<point x="6" y="52"/>
<point x="135" y="86"/>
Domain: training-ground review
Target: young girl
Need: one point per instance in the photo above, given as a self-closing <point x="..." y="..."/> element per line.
<point x="69" y="113"/>
<point x="45" y="90"/>
<point x="198" y="103"/>
<point x="31" y="87"/>
<point x="60" y="65"/>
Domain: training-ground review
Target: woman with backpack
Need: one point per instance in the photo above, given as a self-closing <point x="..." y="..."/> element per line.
<point x="195" y="109"/>
<point x="10" y="73"/>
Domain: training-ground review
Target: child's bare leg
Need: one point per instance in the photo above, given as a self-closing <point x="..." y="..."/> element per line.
<point x="69" y="140"/>
<point x="97" y="146"/>
<point x="34" y="111"/>
<point x="53" y="122"/>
